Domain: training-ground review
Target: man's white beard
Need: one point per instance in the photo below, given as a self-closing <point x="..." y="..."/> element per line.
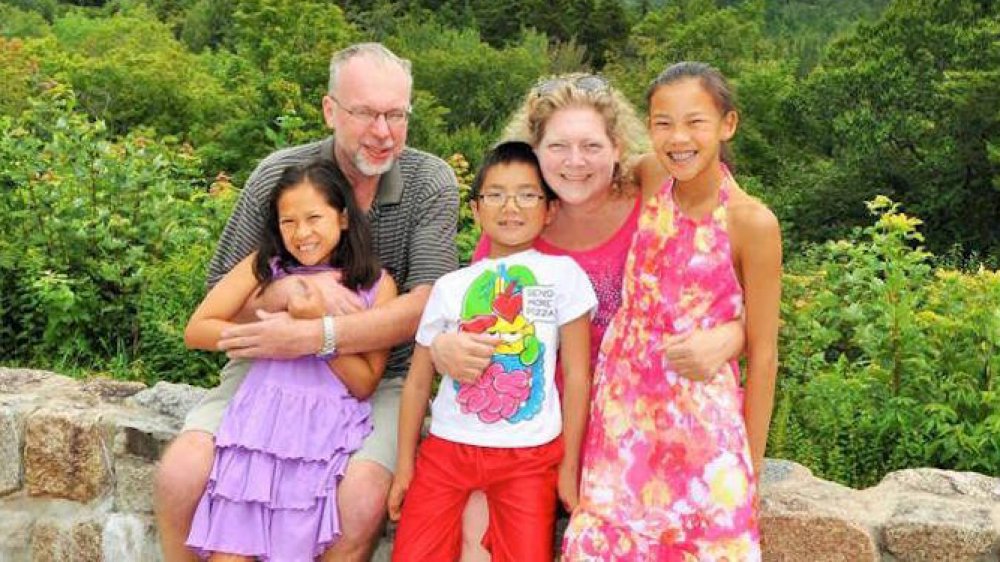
<point x="369" y="169"/>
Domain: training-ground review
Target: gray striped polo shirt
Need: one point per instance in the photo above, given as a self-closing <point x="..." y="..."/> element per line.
<point x="413" y="221"/>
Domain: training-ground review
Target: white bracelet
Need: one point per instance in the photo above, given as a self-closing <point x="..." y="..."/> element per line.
<point x="329" y="349"/>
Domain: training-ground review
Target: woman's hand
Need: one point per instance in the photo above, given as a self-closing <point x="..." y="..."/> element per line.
<point x="699" y="354"/>
<point x="462" y="356"/>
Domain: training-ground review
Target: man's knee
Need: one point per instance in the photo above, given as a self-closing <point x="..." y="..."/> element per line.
<point x="183" y="471"/>
<point x="362" y="498"/>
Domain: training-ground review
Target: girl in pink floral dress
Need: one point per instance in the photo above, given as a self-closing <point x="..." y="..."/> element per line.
<point x="670" y="463"/>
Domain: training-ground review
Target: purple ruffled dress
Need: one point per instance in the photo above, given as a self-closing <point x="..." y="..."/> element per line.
<point x="280" y="452"/>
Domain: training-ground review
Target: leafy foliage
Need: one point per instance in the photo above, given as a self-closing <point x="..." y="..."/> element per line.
<point x="886" y="362"/>
<point x="87" y="217"/>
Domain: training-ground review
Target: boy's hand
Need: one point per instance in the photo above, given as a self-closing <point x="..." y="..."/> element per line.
<point x="568" y="485"/>
<point x="400" y="483"/>
<point x="463" y="356"/>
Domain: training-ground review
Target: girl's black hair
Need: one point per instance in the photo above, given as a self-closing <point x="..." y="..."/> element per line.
<point x="508" y="153"/>
<point x="711" y="80"/>
<point x="354" y="254"/>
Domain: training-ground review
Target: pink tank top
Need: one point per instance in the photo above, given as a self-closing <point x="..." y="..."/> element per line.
<point x="604" y="265"/>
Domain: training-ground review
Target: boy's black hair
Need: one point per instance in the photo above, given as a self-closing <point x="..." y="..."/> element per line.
<point x="354" y="254"/>
<point x="508" y="153"/>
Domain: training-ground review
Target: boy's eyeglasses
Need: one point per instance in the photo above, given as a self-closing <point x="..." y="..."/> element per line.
<point x="368" y="116"/>
<point x="590" y="83"/>
<point x="522" y="200"/>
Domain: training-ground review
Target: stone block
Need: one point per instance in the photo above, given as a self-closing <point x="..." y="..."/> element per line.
<point x="15" y="528"/>
<point x="143" y="437"/>
<point x="797" y="537"/>
<point x="129" y="537"/>
<point x="925" y="530"/>
<point x="134" y="485"/>
<point x="66" y="454"/>
<point x="112" y="390"/>
<point x="946" y="483"/>
<point x="169" y="399"/>
<point x="63" y="541"/>
<point x="11" y="440"/>
<point x="17" y="380"/>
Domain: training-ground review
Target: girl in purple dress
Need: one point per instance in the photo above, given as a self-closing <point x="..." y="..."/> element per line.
<point x="287" y="435"/>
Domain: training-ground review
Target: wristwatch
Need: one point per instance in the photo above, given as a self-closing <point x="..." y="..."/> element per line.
<point x="329" y="349"/>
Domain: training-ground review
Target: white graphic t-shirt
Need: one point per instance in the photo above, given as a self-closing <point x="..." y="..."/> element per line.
<point x="522" y="299"/>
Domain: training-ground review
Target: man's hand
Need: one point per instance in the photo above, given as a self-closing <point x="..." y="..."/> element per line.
<point x="400" y="484"/>
<point x="568" y="485"/>
<point x="462" y="356"/>
<point x="276" y="335"/>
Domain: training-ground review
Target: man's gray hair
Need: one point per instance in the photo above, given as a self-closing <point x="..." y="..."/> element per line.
<point x="376" y="51"/>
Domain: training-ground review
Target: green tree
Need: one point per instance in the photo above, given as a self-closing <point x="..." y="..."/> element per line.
<point x="908" y="107"/>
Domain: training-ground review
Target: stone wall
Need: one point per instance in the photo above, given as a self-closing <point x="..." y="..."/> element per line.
<point x="77" y="459"/>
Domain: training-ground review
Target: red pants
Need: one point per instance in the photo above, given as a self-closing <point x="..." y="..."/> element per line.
<point x="520" y="487"/>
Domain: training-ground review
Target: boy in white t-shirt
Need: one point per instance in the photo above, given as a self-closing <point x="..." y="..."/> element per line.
<point x="509" y="433"/>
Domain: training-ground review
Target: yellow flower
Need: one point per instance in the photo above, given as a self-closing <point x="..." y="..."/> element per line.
<point x="727" y="484"/>
<point x="655" y="493"/>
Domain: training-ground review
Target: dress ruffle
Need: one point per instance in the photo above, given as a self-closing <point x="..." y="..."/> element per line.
<point x="308" y="417"/>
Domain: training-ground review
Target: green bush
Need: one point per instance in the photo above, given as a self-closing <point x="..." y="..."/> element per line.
<point x="886" y="362"/>
<point x="86" y="218"/>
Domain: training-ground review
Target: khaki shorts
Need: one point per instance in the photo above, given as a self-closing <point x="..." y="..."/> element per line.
<point x="379" y="447"/>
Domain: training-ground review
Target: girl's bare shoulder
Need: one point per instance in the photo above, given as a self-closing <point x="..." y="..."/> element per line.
<point x="749" y="215"/>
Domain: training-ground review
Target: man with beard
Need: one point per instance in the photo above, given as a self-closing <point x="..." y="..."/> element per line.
<point x="412" y="202"/>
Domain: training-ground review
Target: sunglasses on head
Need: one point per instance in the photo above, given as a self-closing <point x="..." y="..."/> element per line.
<point x="590" y="83"/>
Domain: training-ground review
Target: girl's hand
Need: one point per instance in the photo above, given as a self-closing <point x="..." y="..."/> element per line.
<point x="337" y="299"/>
<point x="568" y="485"/>
<point x="306" y="301"/>
<point x="462" y="356"/>
<point x="400" y="483"/>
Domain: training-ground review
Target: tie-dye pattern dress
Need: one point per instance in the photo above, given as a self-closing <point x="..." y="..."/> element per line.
<point x="667" y="474"/>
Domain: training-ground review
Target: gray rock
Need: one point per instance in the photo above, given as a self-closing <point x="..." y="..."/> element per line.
<point x="143" y="434"/>
<point x="134" y="485"/>
<point x="112" y="390"/>
<point x="946" y="483"/>
<point x="11" y="440"/>
<point x="17" y="380"/>
<point x="129" y="537"/>
<point x="927" y="529"/>
<point x="779" y="470"/>
<point x="15" y="528"/>
<point x="169" y="399"/>
<point x="63" y="541"/>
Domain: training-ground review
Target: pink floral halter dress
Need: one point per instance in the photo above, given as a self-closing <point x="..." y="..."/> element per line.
<point x="667" y="474"/>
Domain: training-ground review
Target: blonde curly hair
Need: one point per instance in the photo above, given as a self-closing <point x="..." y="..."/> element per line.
<point x="576" y="89"/>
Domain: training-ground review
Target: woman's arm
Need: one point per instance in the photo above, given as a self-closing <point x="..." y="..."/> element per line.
<point x="574" y="354"/>
<point x="221" y="306"/>
<point x="361" y="372"/>
<point x="757" y="245"/>
<point x="412" y="409"/>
